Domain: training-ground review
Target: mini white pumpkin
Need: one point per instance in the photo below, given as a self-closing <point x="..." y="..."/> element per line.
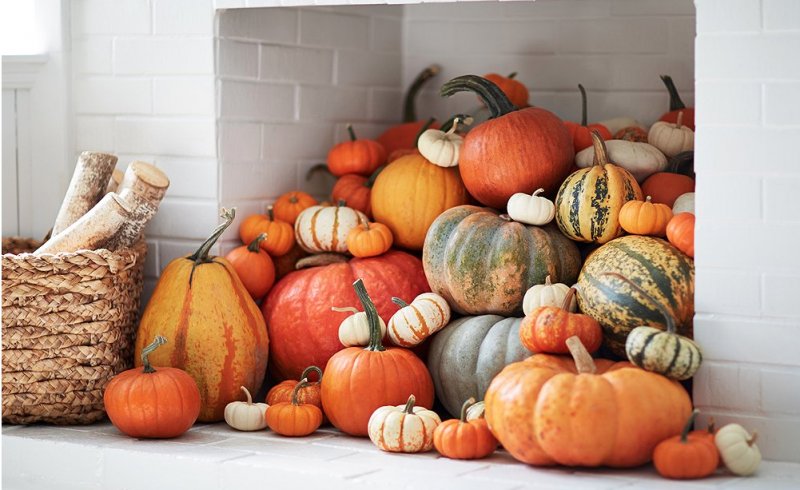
<point x="671" y="138"/>
<point x="531" y="209"/>
<point x="325" y="228"/>
<point x="415" y="322"/>
<point x="547" y="294"/>
<point x="640" y="159"/>
<point x="621" y="122"/>
<point x="404" y="428"/>
<point x="476" y="411"/>
<point x="441" y="148"/>
<point x="738" y="449"/>
<point x="354" y="330"/>
<point x="684" y="204"/>
<point x="246" y="416"/>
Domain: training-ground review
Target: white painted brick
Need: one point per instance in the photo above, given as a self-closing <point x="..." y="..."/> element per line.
<point x="365" y="68"/>
<point x="748" y="57"/>
<point x="641" y="72"/>
<point x="333" y="103"/>
<point x="379" y="9"/>
<point x="179" y="137"/>
<point x="257" y="180"/>
<point x="555" y="9"/>
<point x="386" y="34"/>
<point x="549" y="478"/>
<point x="183" y="17"/>
<point x="507" y="36"/>
<point x="781" y="15"/>
<point x="296" y="64"/>
<point x="288" y="448"/>
<point x="113" y="96"/>
<point x="444" y="11"/>
<point x="94" y="133"/>
<point x="731" y="198"/>
<point x="262" y="101"/>
<point x="400" y="479"/>
<point x="722" y="386"/>
<point x="151" y="268"/>
<point x="168" y="467"/>
<point x="92" y="55"/>
<point x="591" y="36"/>
<point x="319" y="185"/>
<point x="237" y="59"/>
<point x="110" y="17"/>
<point x="652" y="7"/>
<point x="780" y="390"/>
<point x="780" y="295"/>
<point x="779" y="199"/>
<point x="385" y="104"/>
<point x="781" y="104"/>
<point x="277" y="25"/>
<point x="768" y="245"/>
<point x="429" y="37"/>
<point x="164" y="56"/>
<point x="243" y="210"/>
<point x="228" y="4"/>
<point x="283" y="472"/>
<point x="179" y="96"/>
<point x="183" y="219"/>
<point x="777" y="440"/>
<point x="724" y="16"/>
<point x="239" y="141"/>
<point x="728" y="103"/>
<point x="190" y="177"/>
<point x="363" y="130"/>
<point x="682" y="31"/>
<point x="333" y="30"/>
<point x="732" y="149"/>
<point x="734" y="292"/>
<point x="295" y="141"/>
<point x="740" y="339"/>
<point x="74" y="469"/>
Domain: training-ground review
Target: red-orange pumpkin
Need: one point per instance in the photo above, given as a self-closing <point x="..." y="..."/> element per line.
<point x="665" y="187"/>
<point x="289" y="205"/>
<point x="515" y="90"/>
<point x="403" y="136"/>
<point x="685" y="456"/>
<point x="310" y="393"/>
<point x="547" y="328"/>
<point x="676" y="105"/>
<point x="254" y="267"/>
<point x="582" y="133"/>
<point x="680" y="232"/>
<point x="356" y="156"/>
<point x="355" y="190"/>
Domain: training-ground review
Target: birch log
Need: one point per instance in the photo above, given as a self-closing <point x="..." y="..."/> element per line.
<point x="87" y="187"/>
<point x="114" y="181"/>
<point x="143" y="187"/>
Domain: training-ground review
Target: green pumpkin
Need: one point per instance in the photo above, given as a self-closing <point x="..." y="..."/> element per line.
<point x="482" y="263"/>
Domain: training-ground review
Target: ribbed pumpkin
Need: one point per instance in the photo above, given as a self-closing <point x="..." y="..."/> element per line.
<point x="645" y="218"/>
<point x="515" y="151"/>
<point x="652" y="264"/>
<point x="515" y="90"/>
<point x="254" y="267"/>
<point x="410" y="193"/>
<point x="216" y="332"/>
<point x="680" y="232"/>
<point x="357" y="156"/>
<point x="303" y="329"/>
<point x="403" y="136"/>
<point x="589" y="201"/>
<point x="356" y="190"/>
<point x="484" y="263"/>
<point x="546" y="328"/>
<point x="310" y="393"/>
<point x="289" y="205"/>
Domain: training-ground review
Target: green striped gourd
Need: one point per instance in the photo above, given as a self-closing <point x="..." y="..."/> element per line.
<point x="589" y="201"/>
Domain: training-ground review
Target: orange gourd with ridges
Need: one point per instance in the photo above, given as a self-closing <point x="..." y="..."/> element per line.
<point x="547" y="328"/>
<point x="254" y="267"/>
<point x="680" y="233"/>
<point x="288" y="206"/>
<point x="356" y="156"/>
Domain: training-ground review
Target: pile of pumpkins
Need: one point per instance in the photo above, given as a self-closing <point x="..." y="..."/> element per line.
<point x="403" y="264"/>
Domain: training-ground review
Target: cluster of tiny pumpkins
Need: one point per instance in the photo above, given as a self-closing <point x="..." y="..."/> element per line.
<point x="488" y="299"/>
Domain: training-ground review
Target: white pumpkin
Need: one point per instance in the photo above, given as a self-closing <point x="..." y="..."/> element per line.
<point x="531" y="209"/>
<point x="616" y="123"/>
<point x="738" y="449"/>
<point x="246" y="416"/>
<point x="404" y="428"/>
<point x="640" y="159"/>
<point x="441" y="148"/>
<point x="671" y="138"/>
<point x="325" y="228"/>
<point x="354" y="330"/>
<point x="684" y="204"/>
<point x="547" y="294"/>
<point x="415" y="322"/>
<point x="476" y="411"/>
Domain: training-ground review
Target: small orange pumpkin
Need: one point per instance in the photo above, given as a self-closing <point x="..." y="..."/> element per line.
<point x="356" y="156"/>
<point x="294" y="419"/>
<point x="369" y="239"/>
<point x="280" y="234"/>
<point x="685" y="457"/>
<point x="289" y="205"/>
<point x="582" y="133"/>
<point x="547" y="328"/>
<point x="254" y="267"/>
<point x="515" y="90"/>
<point x="356" y="190"/>
<point x="464" y="439"/>
<point x="645" y="217"/>
<point x="310" y="393"/>
<point x="680" y="233"/>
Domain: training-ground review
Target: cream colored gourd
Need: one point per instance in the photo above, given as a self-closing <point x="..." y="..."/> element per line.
<point x="415" y="322"/>
<point x="547" y="294"/>
<point x="404" y="428"/>
<point x="441" y="148"/>
<point x="531" y="209"/>
<point x="246" y="416"/>
<point x="684" y="204"/>
<point x="616" y="123"/>
<point x="354" y="330"/>
<point x="325" y="228"/>
<point x="476" y="411"/>
<point x="738" y="449"/>
<point x="671" y="138"/>
<point x="640" y="159"/>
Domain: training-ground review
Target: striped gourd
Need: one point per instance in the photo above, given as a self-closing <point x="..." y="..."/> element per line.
<point x="589" y="201"/>
<point x="654" y="265"/>
<point x="415" y="322"/>
<point x="325" y="228"/>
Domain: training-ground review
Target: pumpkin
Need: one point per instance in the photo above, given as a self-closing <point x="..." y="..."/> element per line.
<point x="531" y="209"/>
<point x="684" y="203"/>
<point x="294" y="418"/>
<point x="354" y="330"/>
<point x="410" y="193"/>
<point x="685" y="457"/>
<point x="616" y="124"/>
<point x="547" y="328"/>
<point x="635" y="134"/>
<point x="515" y="151"/>
<point x="254" y="267"/>
<point x="665" y="187"/>
<point x="404" y="135"/>
<point x="218" y="335"/>
<point x="547" y="294"/>
<point x="415" y="322"/>
<point x="476" y="410"/>
<point x="356" y="156"/>
<point x="515" y="90"/>
<point x="369" y="239"/>
<point x="484" y="263"/>
<point x="652" y="264"/>
<point x="310" y="393"/>
<point x="708" y="433"/>
<point x="671" y="138"/>
<point x="356" y="190"/>
<point x="302" y="327"/>
<point x="246" y="416"/>
<point x="289" y="205"/>
<point x="325" y="228"/>
<point x="590" y="200"/>
<point x="439" y="147"/>
<point x="401" y="152"/>
<point x="152" y="403"/>
<point x="466" y="354"/>
<point x="640" y="159"/>
<point x="280" y="234"/>
<point x="462" y="438"/>
<point x="645" y="218"/>
<point x="676" y="105"/>
<point x="738" y="449"/>
<point x="403" y="428"/>
<point x="550" y="410"/>
<point x="357" y="381"/>
<point x="582" y="133"/>
<point x="680" y="233"/>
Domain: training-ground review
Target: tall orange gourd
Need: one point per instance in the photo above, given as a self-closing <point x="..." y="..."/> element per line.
<point x="216" y="331"/>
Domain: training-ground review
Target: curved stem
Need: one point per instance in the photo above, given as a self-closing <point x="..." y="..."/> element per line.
<point x="688" y="426"/>
<point x="399" y="302"/>
<point x="409" y="103"/>
<point x="255" y="245"/>
<point x="270" y="213"/>
<point x="568" y="298"/>
<point x="312" y="369"/>
<point x="584" y="119"/>
<point x="470" y="401"/>
<point x="536" y="193"/>
<point x="675" y="102"/>
<point x="600" y="151"/>
<point x="318" y="260"/>
<point x="371" y="180"/>
<point x="345" y="309"/>
<point x="668" y="318"/>
<point x="247" y="394"/>
<point x="583" y="360"/>
<point x="351" y="132"/>
<point x="300" y="384"/>
<point x="752" y="439"/>
<point x="547" y="281"/>
<point x="372" y="316"/>
<point x="409" y="408"/>
<point x="320" y="167"/>
<point x="454" y="121"/>
<point x="424" y="128"/>
<point x="201" y="255"/>
<point x="494" y="98"/>
<point x="512" y="75"/>
<point x="159" y="340"/>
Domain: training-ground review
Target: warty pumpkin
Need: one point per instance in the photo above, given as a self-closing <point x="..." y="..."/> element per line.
<point x="547" y="328"/>
<point x="294" y="418"/>
<point x="403" y="428"/>
<point x="462" y="438"/>
<point x="415" y="322"/>
<point x="254" y="267"/>
<point x="356" y="156"/>
<point x="356" y="190"/>
<point x="515" y="90"/>
<point x="289" y="205"/>
<point x="640" y="159"/>
<point x="325" y="228"/>
<point x="676" y="105"/>
<point x="404" y="135"/>
<point x="680" y="233"/>
<point x="685" y="457"/>
<point x="645" y="218"/>
<point x="218" y="335"/>
<point x="666" y="187"/>
<point x="582" y="133"/>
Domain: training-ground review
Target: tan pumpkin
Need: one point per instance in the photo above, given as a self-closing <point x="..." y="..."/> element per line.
<point x="415" y="322"/>
<point x="403" y="428"/>
<point x="671" y="138"/>
<point x="325" y="228"/>
<point x="547" y="294"/>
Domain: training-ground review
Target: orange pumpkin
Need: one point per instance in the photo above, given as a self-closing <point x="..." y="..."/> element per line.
<point x="636" y="134"/>
<point x="289" y="205"/>
<point x="582" y="133"/>
<point x="464" y="439"/>
<point x="665" y="187"/>
<point x="356" y="190"/>
<point x="280" y="234"/>
<point x="357" y="381"/>
<point x="152" y="403"/>
<point x="294" y="418"/>
<point x="254" y="267"/>
<point x="515" y="90"/>
<point x="547" y="328"/>
<point x="676" y="105"/>
<point x="680" y="233"/>
<point x="356" y="156"/>
<point x="645" y="217"/>
<point x="369" y="239"/>
<point x="550" y="410"/>
<point x="310" y="393"/>
<point x="403" y="136"/>
<point x="685" y="457"/>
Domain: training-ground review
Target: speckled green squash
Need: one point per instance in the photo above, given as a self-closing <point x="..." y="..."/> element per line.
<point x="482" y="263"/>
<point x="468" y="353"/>
<point x="670" y="354"/>
<point x="654" y="265"/>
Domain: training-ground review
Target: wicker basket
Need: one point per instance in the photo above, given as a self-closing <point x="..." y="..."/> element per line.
<point x="68" y="326"/>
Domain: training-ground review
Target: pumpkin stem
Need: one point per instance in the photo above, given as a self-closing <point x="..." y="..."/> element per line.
<point x="494" y="98"/>
<point x="712" y="428"/>
<point x="341" y="203"/>
<point x="247" y="394"/>
<point x="159" y="340"/>
<point x="344" y="309"/>
<point x="318" y="260"/>
<point x="679" y="121"/>
<point x="753" y="438"/>
<point x="512" y="75"/>
<point x="399" y="302"/>
<point x="505" y="217"/>
<point x="537" y="192"/>
<point x="312" y="369"/>
<point x="300" y="384"/>
<point x="568" y="298"/>
<point x="371" y="180"/>
<point x="648" y="199"/>
<point x="201" y="255"/>
<point x="465" y="407"/>
<point x="453" y="122"/>
<point x="409" y="408"/>
<point x="600" y="151"/>
<point x="583" y="360"/>
<point x="422" y="130"/>
<point x="293" y="199"/>
<point x="372" y="316"/>
<point x="351" y="132"/>
<point x="547" y="281"/>
<point x="320" y="167"/>
<point x="409" y="103"/>
<point x="668" y="318"/>
<point x="255" y="245"/>
<point x="675" y="102"/>
<point x="688" y="426"/>
<point x="584" y="119"/>
<point x="270" y="213"/>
